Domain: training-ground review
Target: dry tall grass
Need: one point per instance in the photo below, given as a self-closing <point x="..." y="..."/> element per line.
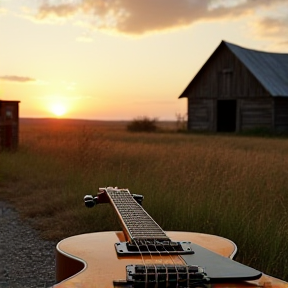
<point x="231" y="186"/>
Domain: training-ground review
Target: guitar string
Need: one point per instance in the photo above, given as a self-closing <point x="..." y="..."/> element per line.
<point x="173" y="261"/>
<point x="159" y="253"/>
<point x="161" y="258"/>
<point x="152" y="262"/>
<point x="148" y="250"/>
<point x="150" y="254"/>
<point x="187" y="271"/>
<point x="155" y="241"/>
<point x="146" y="269"/>
<point x="155" y="267"/>
<point x="198" y="283"/>
<point x="166" y="266"/>
<point x="135" y="242"/>
<point x="143" y="261"/>
<point x="175" y="265"/>
<point x="169" y="254"/>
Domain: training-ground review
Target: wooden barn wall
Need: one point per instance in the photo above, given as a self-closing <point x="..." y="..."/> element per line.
<point x="255" y="113"/>
<point x="224" y="77"/>
<point x="252" y="113"/>
<point x="281" y="114"/>
<point x="201" y="114"/>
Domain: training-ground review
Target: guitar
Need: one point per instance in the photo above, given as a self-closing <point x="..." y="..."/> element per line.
<point x="143" y="255"/>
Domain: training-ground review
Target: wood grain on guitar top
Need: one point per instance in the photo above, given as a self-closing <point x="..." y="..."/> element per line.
<point x="99" y="264"/>
<point x="90" y="260"/>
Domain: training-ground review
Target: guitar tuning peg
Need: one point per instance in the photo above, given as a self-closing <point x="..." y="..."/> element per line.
<point x="139" y="198"/>
<point x="90" y="201"/>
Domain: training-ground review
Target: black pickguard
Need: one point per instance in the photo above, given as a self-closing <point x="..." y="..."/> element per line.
<point x="219" y="268"/>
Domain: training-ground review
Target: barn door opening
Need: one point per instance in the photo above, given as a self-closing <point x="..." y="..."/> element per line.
<point x="226" y="115"/>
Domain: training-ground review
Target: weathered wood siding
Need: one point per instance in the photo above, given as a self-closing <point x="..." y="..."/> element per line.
<point x="281" y="114"/>
<point x="256" y="113"/>
<point x="201" y="114"/>
<point x="224" y="77"/>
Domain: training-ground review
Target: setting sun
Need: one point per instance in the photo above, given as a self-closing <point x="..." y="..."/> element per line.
<point x="58" y="109"/>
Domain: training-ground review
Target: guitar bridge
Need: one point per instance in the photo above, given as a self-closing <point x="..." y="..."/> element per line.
<point x="153" y="247"/>
<point x="165" y="275"/>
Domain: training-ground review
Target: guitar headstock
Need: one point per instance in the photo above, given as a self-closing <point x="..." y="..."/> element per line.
<point x="102" y="197"/>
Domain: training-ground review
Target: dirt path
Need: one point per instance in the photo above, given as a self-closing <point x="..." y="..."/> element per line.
<point x="26" y="261"/>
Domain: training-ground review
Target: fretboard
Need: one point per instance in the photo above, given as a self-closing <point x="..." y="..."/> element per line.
<point x="136" y="222"/>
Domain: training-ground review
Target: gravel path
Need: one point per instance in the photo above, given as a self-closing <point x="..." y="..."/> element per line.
<point x="26" y="261"/>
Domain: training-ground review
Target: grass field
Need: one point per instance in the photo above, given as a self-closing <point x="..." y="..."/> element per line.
<point x="232" y="186"/>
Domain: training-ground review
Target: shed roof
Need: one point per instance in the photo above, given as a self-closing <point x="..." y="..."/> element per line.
<point x="270" y="69"/>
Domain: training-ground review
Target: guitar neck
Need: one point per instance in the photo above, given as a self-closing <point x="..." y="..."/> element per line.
<point x="137" y="224"/>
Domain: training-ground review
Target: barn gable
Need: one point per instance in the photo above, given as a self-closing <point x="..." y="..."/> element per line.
<point x="271" y="69"/>
<point x="239" y="89"/>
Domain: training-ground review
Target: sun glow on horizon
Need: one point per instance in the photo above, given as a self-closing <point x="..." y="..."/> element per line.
<point x="58" y="109"/>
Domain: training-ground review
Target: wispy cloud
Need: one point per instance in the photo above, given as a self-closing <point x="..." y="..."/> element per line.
<point x="60" y="10"/>
<point x="19" y="79"/>
<point x="140" y="17"/>
<point x="272" y="26"/>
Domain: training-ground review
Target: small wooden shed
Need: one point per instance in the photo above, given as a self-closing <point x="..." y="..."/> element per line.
<point x="239" y="89"/>
<point x="9" y="124"/>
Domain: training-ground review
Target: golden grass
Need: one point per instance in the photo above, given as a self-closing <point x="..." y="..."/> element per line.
<point x="231" y="186"/>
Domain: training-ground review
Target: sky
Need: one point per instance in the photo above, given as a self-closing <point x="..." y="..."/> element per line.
<point x="122" y="59"/>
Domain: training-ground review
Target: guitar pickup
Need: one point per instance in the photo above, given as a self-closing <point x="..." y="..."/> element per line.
<point x="179" y="274"/>
<point x="153" y="247"/>
<point x="164" y="275"/>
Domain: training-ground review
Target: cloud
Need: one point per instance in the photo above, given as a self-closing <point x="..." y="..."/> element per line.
<point x="141" y="17"/>
<point x="60" y="10"/>
<point x="14" y="78"/>
<point x="274" y="27"/>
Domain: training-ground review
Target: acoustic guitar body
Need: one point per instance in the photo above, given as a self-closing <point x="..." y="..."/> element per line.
<point x="90" y="260"/>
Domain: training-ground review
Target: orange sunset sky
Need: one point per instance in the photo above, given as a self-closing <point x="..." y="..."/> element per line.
<point x="120" y="59"/>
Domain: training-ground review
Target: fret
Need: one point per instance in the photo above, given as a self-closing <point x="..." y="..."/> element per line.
<point x="136" y="222"/>
<point x="143" y="235"/>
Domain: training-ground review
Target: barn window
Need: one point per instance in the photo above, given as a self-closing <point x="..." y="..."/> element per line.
<point x="225" y="82"/>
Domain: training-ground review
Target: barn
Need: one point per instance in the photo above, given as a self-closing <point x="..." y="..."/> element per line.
<point x="239" y="89"/>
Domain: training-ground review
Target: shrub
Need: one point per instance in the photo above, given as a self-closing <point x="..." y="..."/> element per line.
<point x="143" y="124"/>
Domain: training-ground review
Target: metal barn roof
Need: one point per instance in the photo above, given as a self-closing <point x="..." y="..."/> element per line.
<point x="270" y="69"/>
